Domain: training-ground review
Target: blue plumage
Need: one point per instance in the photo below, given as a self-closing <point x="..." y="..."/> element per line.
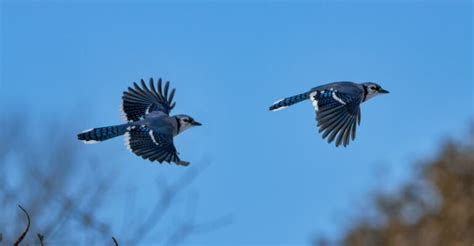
<point x="337" y="107"/>
<point x="150" y="130"/>
<point x="286" y="102"/>
<point x="102" y="133"/>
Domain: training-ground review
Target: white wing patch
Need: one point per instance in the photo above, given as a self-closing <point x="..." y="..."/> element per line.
<point x="131" y="127"/>
<point x="124" y="115"/>
<point x="153" y="138"/>
<point x="127" y="141"/>
<point x="312" y="96"/>
<point x="337" y="98"/>
<point x="90" y="141"/>
<point x="148" y="109"/>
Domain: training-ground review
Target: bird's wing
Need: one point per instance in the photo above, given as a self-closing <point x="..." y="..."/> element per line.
<point x="337" y="114"/>
<point x="151" y="145"/>
<point x="140" y="100"/>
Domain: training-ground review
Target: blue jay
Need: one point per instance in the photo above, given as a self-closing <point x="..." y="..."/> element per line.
<point x="337" y="107"/>
<point x="149" y="130"/>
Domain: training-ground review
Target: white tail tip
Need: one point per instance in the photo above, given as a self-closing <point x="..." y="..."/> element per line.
<point x="280" y="108"/>
<point x="90" y="141"/>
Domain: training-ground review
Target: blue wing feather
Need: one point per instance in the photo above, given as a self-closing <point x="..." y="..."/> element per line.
<point x="141" y="100"/>
<point x="337" y="113"/>
<point x="151" y="145"/>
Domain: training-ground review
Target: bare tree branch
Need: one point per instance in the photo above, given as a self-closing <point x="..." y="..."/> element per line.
<point x="115" y="241"/>
<point x="70" y="208"/>
<point x="163" y="204"/>
<point x="62" y="200"/>
<point x="40" y="238"/>
<point x="187" y="229"/>
<point x="22" y="236"/>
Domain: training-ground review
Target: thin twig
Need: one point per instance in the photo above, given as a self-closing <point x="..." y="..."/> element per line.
<point x="70" y="209"/>
<point x="187" y="229"/>
<point x="40" y="238"/>
<point x="22" y="236"/>
<point x="115" y="241"/>
<point x="162" y="206"/>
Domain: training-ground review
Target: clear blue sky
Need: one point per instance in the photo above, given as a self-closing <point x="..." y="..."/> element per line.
<point x="229" y="62"/>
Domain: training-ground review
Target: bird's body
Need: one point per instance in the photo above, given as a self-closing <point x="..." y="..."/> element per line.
<point x="159" y="122"/>
<point x="342" y="86"/>
<point x="149" y="130"/>
<point x="337" y="107"/>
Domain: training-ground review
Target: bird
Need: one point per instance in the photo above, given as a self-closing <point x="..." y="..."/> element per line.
<point x="149" y="129"/>
<point x="337" y="107"/>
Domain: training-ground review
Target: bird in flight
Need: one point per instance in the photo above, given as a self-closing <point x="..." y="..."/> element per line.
<point x="150" y="129"/>
<point x="337" y="107"/>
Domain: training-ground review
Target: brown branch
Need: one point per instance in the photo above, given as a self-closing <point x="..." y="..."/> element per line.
<point x="115" y="241"/>
<point x="40" y="238"/>
<point x="22" y="236"/>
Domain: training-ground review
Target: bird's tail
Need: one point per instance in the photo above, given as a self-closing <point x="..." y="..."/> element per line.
<point x="100" y="134"/>
<point x="286" y="102"/>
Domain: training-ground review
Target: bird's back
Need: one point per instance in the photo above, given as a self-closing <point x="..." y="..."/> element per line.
<point x="161" y="122"/>
<point x="342" y="86"/>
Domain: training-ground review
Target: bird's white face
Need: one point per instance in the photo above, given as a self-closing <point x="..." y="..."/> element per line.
<point x="373" y="89"/>
<point x="186" y="122"/>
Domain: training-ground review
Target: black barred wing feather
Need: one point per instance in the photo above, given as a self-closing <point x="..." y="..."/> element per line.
<point x="152" y="145"/>
<point x="140" y="100"/>
<point x="338" y="115"/>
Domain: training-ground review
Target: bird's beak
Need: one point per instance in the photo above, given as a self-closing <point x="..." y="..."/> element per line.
<point x="383" y="91"/>
<point x="195" y="123"/>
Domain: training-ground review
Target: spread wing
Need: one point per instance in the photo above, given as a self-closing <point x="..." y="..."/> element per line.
<point x="152" y="145"/>
<point x="337" y="114"/>
<point x="141" y="100"/>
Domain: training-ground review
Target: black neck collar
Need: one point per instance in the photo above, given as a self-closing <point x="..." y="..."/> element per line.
<point x="178" y="124"/>
<point x="365" y="93"/>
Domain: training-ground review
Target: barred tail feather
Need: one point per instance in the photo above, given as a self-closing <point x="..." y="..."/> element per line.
<point x="96" y="135"/>
<point x="286" y="102"/>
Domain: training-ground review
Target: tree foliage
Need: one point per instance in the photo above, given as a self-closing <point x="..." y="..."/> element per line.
<point x="437" y="208"/>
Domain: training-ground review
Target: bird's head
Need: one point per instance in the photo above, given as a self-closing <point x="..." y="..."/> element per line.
<point x="185" y="122"/>
<point x="373" y="89"/>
